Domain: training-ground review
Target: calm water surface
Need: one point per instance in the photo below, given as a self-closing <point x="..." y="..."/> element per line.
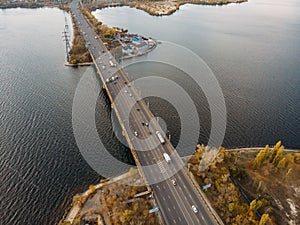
<point x="252" y="48"/>
<point x="40" y="164"/>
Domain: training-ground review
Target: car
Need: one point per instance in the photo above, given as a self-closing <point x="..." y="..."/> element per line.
<point x="130" y="95"/>
<point x="126" y="91"/>
<point x="107" y="80"/>
<point x="174" y="182"/>
<point x="136" y="133"/>
<point x="147" y="124"/>
<point x="194" y="209"/>
<point x="96" y="37"/>
<point x="103" y="67"/>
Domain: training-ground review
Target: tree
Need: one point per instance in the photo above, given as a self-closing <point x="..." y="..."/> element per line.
<point x="288" y="173"/>
<point x="258" y="159"/>
<point x="290" y="159"/>
<point x="274" y="151"/>
<point x="264" y="219"/>
<point x="297" y="158"/>
<point x="282" y="163"/>
<point x="278" y="155"/>
<point x="77" y="200"/>
<point x="231" y="207"/>
<point x="266" y="151"/>
<point x="255" y="205"/>
<point x="92" y="189"/>
<point x="278" y="144"/>
<point x="126" y="217"/>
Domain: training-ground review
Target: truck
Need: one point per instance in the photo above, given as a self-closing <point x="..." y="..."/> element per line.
<point x="160" y="137"/>
<point x="167" y="157"/>
<point x="111" y="63"/>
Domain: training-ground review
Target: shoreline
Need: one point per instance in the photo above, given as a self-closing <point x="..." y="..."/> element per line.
<point x="74" y="210"/>
<point x="162" y="8"/>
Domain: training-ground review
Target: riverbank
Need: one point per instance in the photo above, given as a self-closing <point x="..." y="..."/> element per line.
<point x="246" y="186"/>
<point x="33" y="5"/>
<point x="159" y="8"/>
<point x="216" y="180"/>
<point x="112" y="201"/>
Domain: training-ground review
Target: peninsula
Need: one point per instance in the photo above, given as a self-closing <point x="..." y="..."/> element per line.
<point x="156" y="8"/>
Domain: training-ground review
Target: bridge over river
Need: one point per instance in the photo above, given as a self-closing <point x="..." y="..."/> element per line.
<point x="175" y="199"/>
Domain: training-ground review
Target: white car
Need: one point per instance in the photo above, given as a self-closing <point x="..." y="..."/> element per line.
<point x="174" y="182"/>
<point x="136" y="133"/>
<point x="194" y="209"/>
<point x="130" y="95"/>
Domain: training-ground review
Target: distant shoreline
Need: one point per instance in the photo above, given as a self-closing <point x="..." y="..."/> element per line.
<point x="154" y="8"/>
<point x="32" y="5"/>
<point x="163" y="8"/>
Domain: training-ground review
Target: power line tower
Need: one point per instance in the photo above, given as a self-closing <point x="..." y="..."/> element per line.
<point x="66" y="38"/>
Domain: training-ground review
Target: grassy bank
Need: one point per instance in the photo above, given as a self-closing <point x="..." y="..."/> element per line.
<point x="254" y="187"/>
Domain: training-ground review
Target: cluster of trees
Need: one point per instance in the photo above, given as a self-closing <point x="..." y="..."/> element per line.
<point x="31" y="4"/>
<point x="276" y="157"/>
<point x="100" y="29"/>
<point x="158" y="8"/>
<point x="123" y="208"/>
<point x="78" y="52"/>
<point x="223" y="194"/>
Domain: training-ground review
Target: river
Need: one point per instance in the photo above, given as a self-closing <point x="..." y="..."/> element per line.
<point x="252" y="48"/>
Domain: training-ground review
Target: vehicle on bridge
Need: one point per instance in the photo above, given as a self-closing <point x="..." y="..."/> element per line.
<point x="174" y="182"/>
<point x="194" y="209"/>
<point x="111" y="63"/>
<point x="167" y="157"/>
<point x="160" y="137"/>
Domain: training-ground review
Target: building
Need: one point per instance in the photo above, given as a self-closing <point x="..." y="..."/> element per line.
<point x="142" y="46"/>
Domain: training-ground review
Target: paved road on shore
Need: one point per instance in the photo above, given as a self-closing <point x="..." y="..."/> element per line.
<point x="174" y="201"/>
